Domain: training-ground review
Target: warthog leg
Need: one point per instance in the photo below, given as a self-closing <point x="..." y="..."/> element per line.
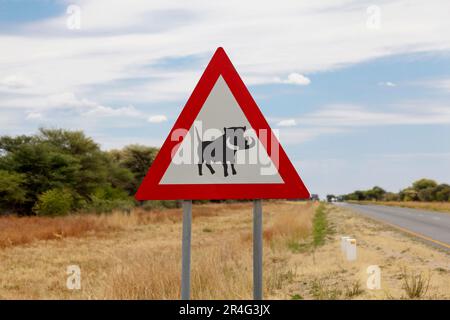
<point x="210" y="168"/>
<point x="225" y="170"/>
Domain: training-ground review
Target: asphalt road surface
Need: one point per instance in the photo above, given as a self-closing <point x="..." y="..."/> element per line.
<point x="434" y="227"/>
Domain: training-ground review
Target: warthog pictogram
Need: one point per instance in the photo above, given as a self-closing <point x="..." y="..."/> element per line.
<point x="223" y="149"/>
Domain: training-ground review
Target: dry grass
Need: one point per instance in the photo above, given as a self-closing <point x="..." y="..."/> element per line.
<point x="288" y="227"/>
<point x="326" y="274"/>
<point x="217" y="272"/>
<point x="138" y="256"/>
<point x="16" y="230"/>
<point x="221" y="269"/>
<point x="415" y="284"/>
<point x="434" y="206"/>
<point x="22" y="230"/>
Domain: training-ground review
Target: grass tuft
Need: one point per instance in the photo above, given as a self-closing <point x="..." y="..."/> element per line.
<point x="415" y="285"/>
<point x="353" y="290"/>
<point x="320" y="226"/>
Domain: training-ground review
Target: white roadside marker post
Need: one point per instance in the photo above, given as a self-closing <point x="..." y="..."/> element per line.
<point x="257" y="250"/>
<point x="351" y="249"/>
<point x="344" y="243"/>
<point x="186" y="250"/>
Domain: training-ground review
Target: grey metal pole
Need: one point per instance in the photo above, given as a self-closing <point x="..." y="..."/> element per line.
<point x="186" y="250"/>
<point x="257" y="250"/>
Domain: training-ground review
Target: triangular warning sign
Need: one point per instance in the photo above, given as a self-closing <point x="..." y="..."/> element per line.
<point x="221" y="147"/>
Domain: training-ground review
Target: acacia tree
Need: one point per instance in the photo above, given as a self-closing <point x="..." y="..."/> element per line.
<point x="137" y="159"/>
<point x="12" y="193"/>
<point x="60" y="160"/>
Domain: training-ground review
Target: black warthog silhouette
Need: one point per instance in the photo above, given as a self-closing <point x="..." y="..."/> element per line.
<point x="223" y="149"/>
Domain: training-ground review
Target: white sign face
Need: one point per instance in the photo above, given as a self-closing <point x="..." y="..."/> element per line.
<point x="221" y="147"/>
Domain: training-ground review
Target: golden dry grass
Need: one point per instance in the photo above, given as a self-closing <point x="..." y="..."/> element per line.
<point x="434" y="206"/>
<point x="326" y="274"/>
<point x="222" y="266"/>
<point x="15" y="230"/>
<point x="22" y="230"/>
<point x="138" y="256"/>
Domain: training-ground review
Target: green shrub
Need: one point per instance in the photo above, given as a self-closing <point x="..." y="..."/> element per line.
<point x="110" y="193"/>
<point x="107" y="199"/>
<point x="54" y="202"/>
<point x="443" y="192"/>
<point x="11" y="189"/>
<point x="98" y="205"/>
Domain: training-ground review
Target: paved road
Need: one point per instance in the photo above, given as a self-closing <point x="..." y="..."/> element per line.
<point x="428" y="225"/>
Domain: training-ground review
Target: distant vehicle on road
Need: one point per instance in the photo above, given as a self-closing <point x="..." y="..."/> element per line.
<point x="331" y="198"/>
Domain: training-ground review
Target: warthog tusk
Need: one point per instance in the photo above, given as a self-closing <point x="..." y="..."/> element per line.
<point x="252" y="142"/>
<point x="231" y="146"/>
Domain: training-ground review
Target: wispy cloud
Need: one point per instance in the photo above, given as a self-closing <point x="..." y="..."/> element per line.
<point x="356" y="116"/>
<point x="34" y="116"/>
<point x="157" y="118"/>
<point x="294" y="136"/>
<point x="414" y="155"/>
<point x="387" y="84"/>
<point x="439" y="84"/>
<point x="295" y="78"/>
<point x="13" y="82"/>
<point x="336" y="119"/>
<point x="123" y="44"/>
<point x="74" y="70"/>
<point x="287" y="123"/>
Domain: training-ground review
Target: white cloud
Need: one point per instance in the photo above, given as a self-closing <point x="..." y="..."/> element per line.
<point x="357" y="116"/>
<point x="287" y="123"/>
<point x="293" y="136"/>
<point x="15" y="82"/>
<point x="102" y="111"/>
<point x="295" y="78"/>
<point x="440" y="84"/>
<point x="387" y="84"/>
<point x="68" y="100"/>
<point x="132" y="39"/>
<point x="414" y="156"/>
<point x="34" y="116"/>
<point x="157" y="118"/>
<point x="338" y="119"/>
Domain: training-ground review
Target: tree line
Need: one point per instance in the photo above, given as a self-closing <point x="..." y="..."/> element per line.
<point x="56" y="171"/>
<point x="420" y="190"/>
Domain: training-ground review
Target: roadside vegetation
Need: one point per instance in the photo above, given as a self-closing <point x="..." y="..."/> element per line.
<point x="432" y="206"/>
<point x="24" y="230"/>
<point x="422" y="194"/>
<point x="320" y="226"/>
<point x="137" y="256"/>
<point x="415" y="284"/>
<point x="55" y="172"/>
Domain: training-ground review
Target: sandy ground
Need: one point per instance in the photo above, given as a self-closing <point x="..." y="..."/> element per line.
<point x="38" y="270"/>
<point x="378" y="245"/>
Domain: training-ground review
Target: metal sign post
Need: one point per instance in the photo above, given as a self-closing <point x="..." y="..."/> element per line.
<point x="257" y="250"/>
<point x="186" y="250"/>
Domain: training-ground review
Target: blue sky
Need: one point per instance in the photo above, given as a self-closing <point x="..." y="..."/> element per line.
<point x="360" y="90"/>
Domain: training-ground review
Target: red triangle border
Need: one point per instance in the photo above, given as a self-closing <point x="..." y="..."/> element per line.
<point x="150" y="189"/>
